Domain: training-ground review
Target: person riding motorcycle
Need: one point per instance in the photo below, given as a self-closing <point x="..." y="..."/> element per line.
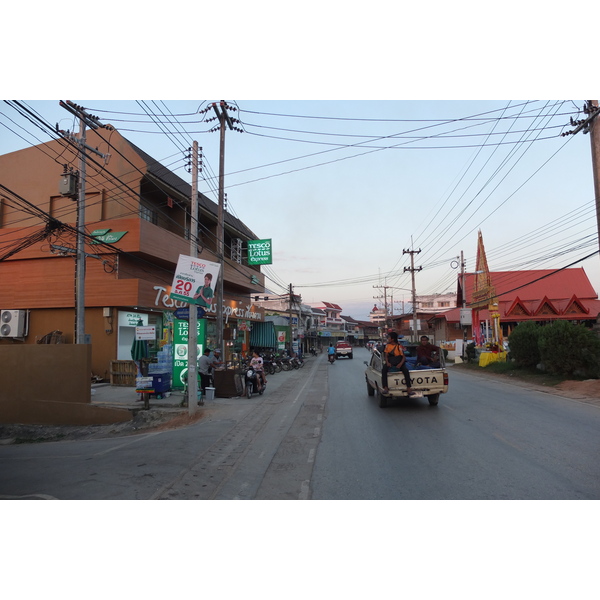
<point x="331" y="353"/>
<point x="257" y="364"/>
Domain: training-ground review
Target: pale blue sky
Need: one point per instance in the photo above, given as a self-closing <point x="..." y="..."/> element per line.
<point x="343" y="187"/>
<point x="348" y="209"/>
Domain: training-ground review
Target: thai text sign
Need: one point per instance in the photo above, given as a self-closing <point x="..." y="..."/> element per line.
<point x="180" y="348"/>
<point x="195" y="280"/>
<point x="260" y="252"/>
<point x="145" y="333"/>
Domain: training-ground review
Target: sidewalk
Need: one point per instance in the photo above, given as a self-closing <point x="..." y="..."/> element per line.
<point x="117" y="396"/>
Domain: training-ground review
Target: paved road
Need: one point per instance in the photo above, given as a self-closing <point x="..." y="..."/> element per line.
<point x="243" y="449"/>
<point x="316" y="434"/>
<point x="486" y="439"/>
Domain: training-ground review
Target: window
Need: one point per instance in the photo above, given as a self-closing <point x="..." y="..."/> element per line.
<point x="148" y="214"/>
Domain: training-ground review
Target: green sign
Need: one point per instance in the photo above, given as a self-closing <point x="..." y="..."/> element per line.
<point x="180" y="348"/>
<point x="260" y="252"/>
<point x="103" y="235"/>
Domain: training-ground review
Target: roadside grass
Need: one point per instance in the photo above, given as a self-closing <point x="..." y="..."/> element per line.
<point x="527" y="374"/>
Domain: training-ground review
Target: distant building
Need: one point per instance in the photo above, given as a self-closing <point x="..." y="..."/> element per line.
<point x="434" y="303"/>
<point x="332" y="325"/>
<point x="377" y="315"/>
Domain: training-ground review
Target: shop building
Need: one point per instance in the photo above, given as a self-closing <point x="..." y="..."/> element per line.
<point x="137" y="220"/>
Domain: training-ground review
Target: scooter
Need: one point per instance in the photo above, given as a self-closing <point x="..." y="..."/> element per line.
<point x="253" y="383"/>
<point x="331" y="358"/>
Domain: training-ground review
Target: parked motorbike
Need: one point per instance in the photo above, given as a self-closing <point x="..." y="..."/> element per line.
<point x="268" y="365"/>
<point x="313" y="350"/>
<point x="286" y="364"/>
<point x="297" y="363"/>
<point x="253" y="383"/>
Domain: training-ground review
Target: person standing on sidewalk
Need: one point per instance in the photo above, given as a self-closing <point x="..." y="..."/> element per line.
<point x="204" y="365"/>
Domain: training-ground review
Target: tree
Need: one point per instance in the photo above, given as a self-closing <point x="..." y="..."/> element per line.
<point x="569" y="349"/>
<point x="523" y="343"/>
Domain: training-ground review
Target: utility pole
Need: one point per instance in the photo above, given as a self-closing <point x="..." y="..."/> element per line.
<point x="223" y="118"/>
<point x="290" y="313"/>
<point x="594" y="128"/>
<point x="385" y="302"/>
<point x="85" y="119"/>
<point x="589" y="125"/>
<point x="192" y="374"/>
<point x="464" y="301"/>
<point x="414" y="289"/>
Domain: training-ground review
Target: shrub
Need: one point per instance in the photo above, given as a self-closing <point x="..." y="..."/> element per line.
<point x="523" y="343"/>
<point x="569" y="349"/>
<point x="471" y="352"/>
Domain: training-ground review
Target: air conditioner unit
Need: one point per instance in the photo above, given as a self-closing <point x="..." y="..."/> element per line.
<point x="12" y="323"/>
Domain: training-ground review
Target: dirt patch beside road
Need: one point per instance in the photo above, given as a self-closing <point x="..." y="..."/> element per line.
<point x="588" y="390"/>
<point x="585" y="391"/>
<point x="143" y="422"/>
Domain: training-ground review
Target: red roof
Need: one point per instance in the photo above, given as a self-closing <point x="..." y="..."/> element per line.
<point x="331" y="306"/>
<point x="543" y="294"/>
<point x="534" y="285"/>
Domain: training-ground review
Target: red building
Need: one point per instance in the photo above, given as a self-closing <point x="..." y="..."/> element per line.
<point x="542" y="296"/>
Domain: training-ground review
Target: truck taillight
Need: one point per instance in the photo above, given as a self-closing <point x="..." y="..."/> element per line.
<point x="445" y="378"/>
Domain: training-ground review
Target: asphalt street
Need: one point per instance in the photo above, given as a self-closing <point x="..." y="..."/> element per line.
<point x="316" y="434"/>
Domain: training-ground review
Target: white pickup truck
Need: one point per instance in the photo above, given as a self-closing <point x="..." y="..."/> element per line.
<point x="426" y="381"/>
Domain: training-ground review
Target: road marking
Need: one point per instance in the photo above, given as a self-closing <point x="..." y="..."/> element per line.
<point x="304" y="490"/>
<point x="243" y="488"/>
<point x="317" y="432"/>
<point x="311" y="456"/>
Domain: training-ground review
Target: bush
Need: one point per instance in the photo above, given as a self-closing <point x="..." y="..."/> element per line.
<point x="523" y="343"/>
<point x="471" y="352"/>
<point x="569" y="349"/>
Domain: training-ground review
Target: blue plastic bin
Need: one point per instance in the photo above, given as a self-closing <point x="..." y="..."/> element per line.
<point x="161" y="382"/>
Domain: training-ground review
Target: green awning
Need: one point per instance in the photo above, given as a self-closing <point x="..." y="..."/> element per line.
<point x="263" y="335"/>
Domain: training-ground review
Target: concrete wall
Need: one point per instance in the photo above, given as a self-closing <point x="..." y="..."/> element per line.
<point x="49" y="384"/>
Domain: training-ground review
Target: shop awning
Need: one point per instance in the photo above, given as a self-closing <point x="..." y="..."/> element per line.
<point x="263" y="335"/>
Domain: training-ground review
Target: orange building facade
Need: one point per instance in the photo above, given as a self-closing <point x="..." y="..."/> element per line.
<point x="137" y="219"/>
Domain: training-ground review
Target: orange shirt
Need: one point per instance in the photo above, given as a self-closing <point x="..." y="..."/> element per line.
<point x="394" y="349"/>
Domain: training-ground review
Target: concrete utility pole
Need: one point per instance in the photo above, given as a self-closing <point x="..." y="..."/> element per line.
<point x="594" y="128"/>
<point x="85" y="119"/>
<point x="464" y="301"/>
<point x="223" y="118"/>
<point x="385" y="302"/>
<point x="290" y="313"/>
<point x="193" y="319"/>
<point x="414" y="289"/>
<point x="590" y="125"/>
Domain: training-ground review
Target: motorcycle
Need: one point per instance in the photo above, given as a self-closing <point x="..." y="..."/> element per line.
<point x="253" y="383"/>
<point x="269" y="365"/>
<point x="331" y="358"/>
